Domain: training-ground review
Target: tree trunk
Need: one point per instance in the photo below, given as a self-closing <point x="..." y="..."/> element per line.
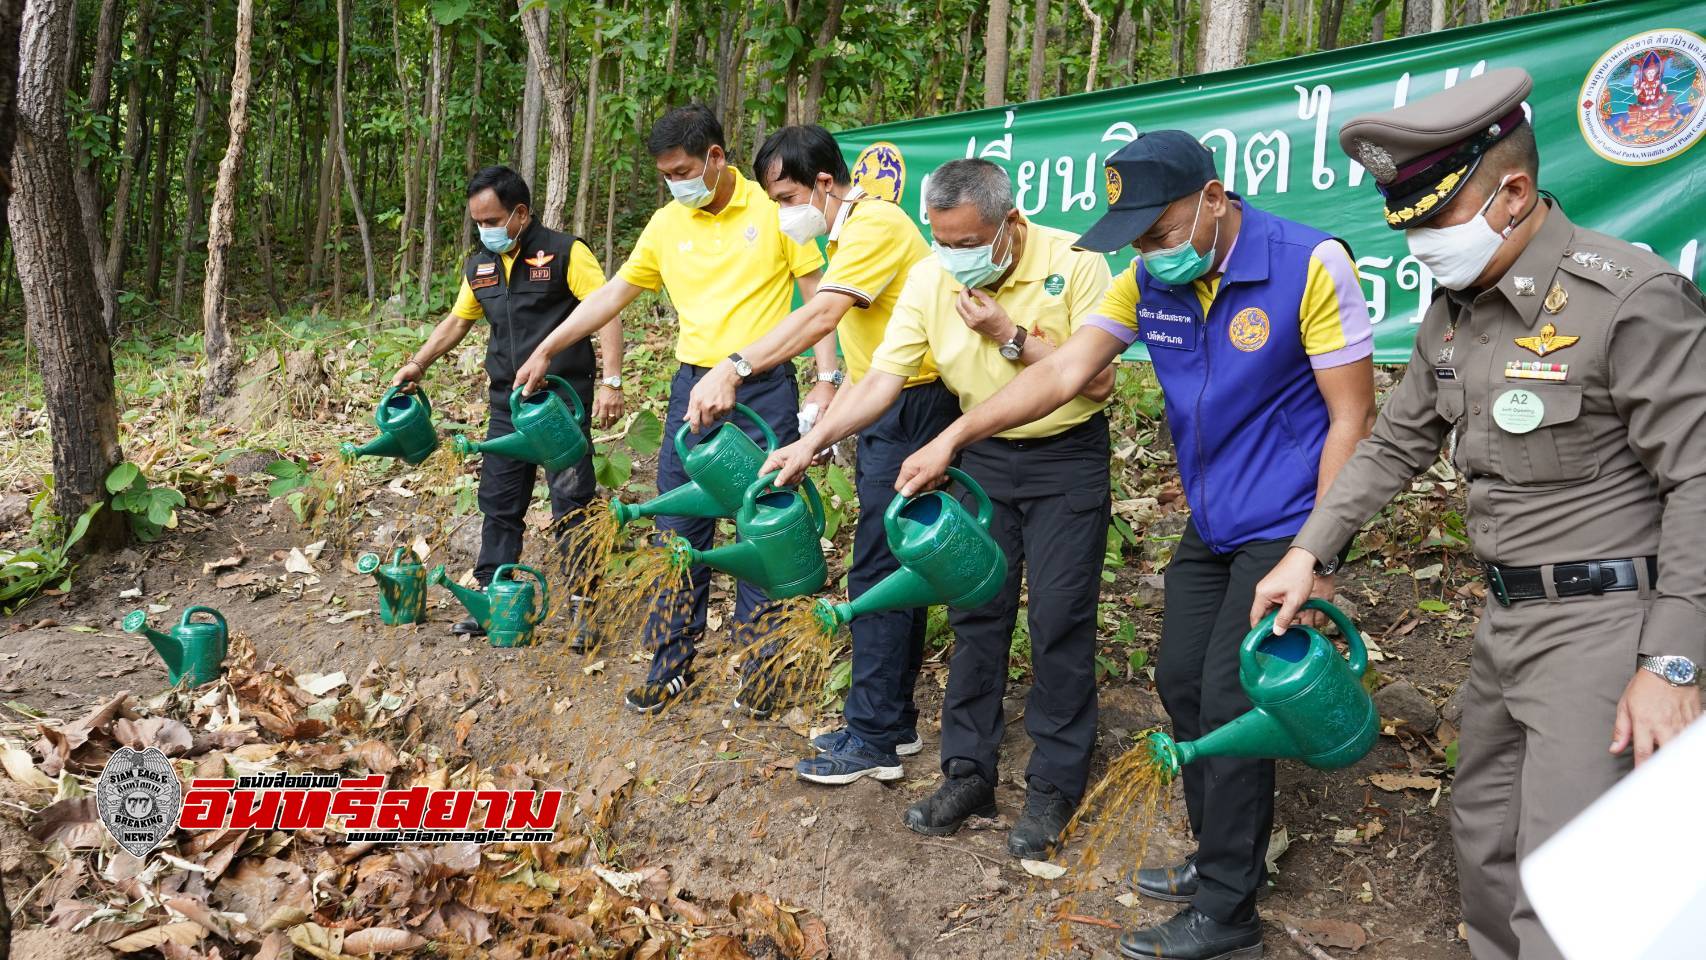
<point x="1125" y="44"/>
<point x="558" y="120"/>
<point x="56" y="277"/>
<point x="965" y="60"/>
<point x="1377" y="26"/>
<point x="589" y="136"/>
<point x="85" y="176"/>
<point x="222" y="355"/>
<point x="1225" y="36"/>
<point x="532" y="102"/>
<point x="471" y="147"/>
<point x="132" y="135"/>
<point x="995" y="54"/>
<point x="343" y="152"/>
<point x="1039" y="49"/>
<point x="1095" y="20"/>
<point x="162" y="180"/>
<point x="434" y="153"/>
<point x="1416" y="15"/>
<point x="410" y="159"/>
<point x="1475" y="11"/>
<point x="323" y="215"/>
<point x="1332" y="18"/>
<point x="11" y="15"/>
<point x="1436" y="16"/>
<point x="812" y="107"/>
<point x="194" y="198"/>
<point x="1178" y="31"/>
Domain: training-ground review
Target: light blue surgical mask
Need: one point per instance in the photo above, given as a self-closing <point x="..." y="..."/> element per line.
<point x="974" y="266"/>
<point x="1177" y="266"/>
<point x="497" y="239"/>
<point x="693" y="192"/>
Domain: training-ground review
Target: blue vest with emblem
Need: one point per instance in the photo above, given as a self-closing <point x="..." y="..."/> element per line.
<point x="1247" y="419"/>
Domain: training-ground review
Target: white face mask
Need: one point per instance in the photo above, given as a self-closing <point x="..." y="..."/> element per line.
<point x="694" y="192"/>
<point x="804" y="222"/>
<point x="1458" y="255"/>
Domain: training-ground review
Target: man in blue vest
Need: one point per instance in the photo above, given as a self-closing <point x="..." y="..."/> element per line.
<point x="1259" y="334"/>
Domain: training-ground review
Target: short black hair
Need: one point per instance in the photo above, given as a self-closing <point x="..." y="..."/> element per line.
<point x="1516" y="153"/>
<point x="693" y="128"/>
<point x="506" y="183"/>
<point x="804" y="151"/>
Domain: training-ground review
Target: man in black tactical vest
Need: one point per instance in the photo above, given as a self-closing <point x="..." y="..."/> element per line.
<point x="523" y="306"/>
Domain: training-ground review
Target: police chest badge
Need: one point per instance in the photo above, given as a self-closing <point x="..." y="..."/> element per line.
<point x="139" y="798"/>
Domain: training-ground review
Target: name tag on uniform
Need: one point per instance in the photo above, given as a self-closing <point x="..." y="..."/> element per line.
<point x="479" y="282"/>
<point x="1445" y="373"/>
<point x="1170" y="331"/>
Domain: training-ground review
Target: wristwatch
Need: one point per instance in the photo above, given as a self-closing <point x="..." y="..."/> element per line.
<point x="1676" y="671"/>
<point x="614" y="381"/>
<point x="834" y="378"/>
<point x="1331" y="565"/>
<point x="742" y="368"/>
<point x="1012" y="348"/>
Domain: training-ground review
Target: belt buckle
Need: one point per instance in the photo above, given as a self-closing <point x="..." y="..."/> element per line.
<point x="1496" y="582"/>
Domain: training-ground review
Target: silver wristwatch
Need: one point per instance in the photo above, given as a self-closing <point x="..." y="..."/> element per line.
<point x="743" y="368"/>
<point x="834" y="378"/>
<point x="1016" y="346"/>
<point x="1676" y="671"/>
<point x="614" y="382"/>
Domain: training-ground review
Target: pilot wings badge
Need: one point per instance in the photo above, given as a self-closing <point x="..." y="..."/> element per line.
<point x="1547" y="342"/>
<point x="139" y="798"/>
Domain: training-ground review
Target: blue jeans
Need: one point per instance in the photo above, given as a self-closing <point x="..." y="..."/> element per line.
<point x="676" y="623"/>
<point x="888" y="647"/>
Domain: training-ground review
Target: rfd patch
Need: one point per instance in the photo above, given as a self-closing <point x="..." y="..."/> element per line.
<point x="1249" y="329"/>
<point x="538" y="273"/>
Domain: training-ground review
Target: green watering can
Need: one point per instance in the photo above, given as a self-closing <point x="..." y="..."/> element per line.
<point x="402" y="585"/>
<point x="1310" y="704"/>
<point x="719" y="471"/>
<point x="946" y="556"/>
<point x="506" y="608"/>
<point x="405" y="429"/>
<point x="546" y="431"/>
<point x="192" y="651"/>
<point x="780" y="550"/>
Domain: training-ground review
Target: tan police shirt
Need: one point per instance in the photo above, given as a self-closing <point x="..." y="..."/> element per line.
<point x="1577" y="392"/>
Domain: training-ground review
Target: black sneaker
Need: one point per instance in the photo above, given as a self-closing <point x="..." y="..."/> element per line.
<point x="963" y="796"/>
<point x="584" y="632"/>
<point x="1047" y="812"/>
<point x="910" y="742"/>
<point x="652" y="696"/>
<point x="1193" y="935"/>
<point x="468" y="628"/>
<point x="758" y="695"/>
<point x="1175" y="884"/>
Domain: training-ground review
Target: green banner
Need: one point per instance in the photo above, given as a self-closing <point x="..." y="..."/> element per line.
<point x="1618" y="91"/>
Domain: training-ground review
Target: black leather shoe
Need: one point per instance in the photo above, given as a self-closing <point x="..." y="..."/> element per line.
<point x="468" y="628"/>
<point x="964" y="795"/>
<point x="584" y="633"/>
<point x="1175" y="884"/>
<point x="1047" y="812"/>
<point x="1193" y="935"/>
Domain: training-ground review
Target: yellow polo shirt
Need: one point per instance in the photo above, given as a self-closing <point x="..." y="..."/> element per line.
<point x="729" y="274"/>
<point x="873" y="245"/>
<point x="1052" y="291"/>
<point x="584" y="276"/>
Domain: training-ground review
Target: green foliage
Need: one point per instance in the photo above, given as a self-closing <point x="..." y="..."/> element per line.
<point x="1433" y="606"/>
<point x="287" y="475"/>
<point x="151" y="510"/>
<point x="840" y="500"/>
<point x="25" y="573"/>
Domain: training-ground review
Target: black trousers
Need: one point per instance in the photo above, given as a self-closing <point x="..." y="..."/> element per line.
<point x="1230" y="800"/>
<point x="1051" y="519"/>
<point x="506" y="491"/>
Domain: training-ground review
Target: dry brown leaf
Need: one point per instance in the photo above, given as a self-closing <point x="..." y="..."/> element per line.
<point x="1396" y="782"/>
<point x="297" y="562"/>
<point x="224" y="563"/>
<point x="722" y="947"/>
<point x="375" y="755"/>
<point x="381" y="940"/>
<point x="173" y="738"/>
<point x="271" y="893"/>
<point x="73" y="821"/>
<point x="327" y="944"/>
<point x="240" y="579"/>
<point x="465" y="725"/>
<point x="1334" y="933"/>
<point x="200" y="913"/>
<point x="20" y="766"/>
<point x="182" y="932"/>
<point x="58" y="744"/>
<point x="817" y="939"/>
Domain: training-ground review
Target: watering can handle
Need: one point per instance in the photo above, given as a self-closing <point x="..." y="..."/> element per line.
<point x="806" y="489"/>
<point x="574" y="398"/>
<point x="770" y="443"/>
<point x="397" y="555"/>
<point x="385" y="401"/>
<point x="544" y="588"/>
<point x="192" y="611"/>
<point x="985" y="509"/>
<point x="1265" y="629"/>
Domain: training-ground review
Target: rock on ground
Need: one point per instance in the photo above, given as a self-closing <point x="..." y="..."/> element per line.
<point x="46" y="943"/>
<point x="1400" y="700"/>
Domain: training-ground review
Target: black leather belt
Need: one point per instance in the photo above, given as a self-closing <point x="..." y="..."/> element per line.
<point x="1510" y="584"/>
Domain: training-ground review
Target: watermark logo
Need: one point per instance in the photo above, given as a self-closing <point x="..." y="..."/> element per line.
<point x="139" y="798"/>
<point x="1641" y="102"/>
<point x="370" y="811"/>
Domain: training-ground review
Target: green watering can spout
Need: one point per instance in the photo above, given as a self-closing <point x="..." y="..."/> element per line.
<point x="405" y="429"/>
<point x="473" y="600"/>
<point x="781" y="548"/>
<point x="719" y="470"/>
<point x="546" y="432"/>
<point x="193" y="651"/>
<point x="1309" y="702"/>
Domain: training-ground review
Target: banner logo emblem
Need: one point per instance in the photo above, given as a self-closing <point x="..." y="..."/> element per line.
<point x="138" y="797"/>
<point x="880" y="171"/>
<point x="1641" y="102"/>
<point x="1249" y="329"/>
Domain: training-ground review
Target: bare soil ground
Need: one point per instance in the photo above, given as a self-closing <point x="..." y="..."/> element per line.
<point x="717" y="801"/>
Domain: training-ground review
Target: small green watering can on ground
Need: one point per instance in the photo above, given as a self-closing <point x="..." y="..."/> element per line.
<point x="719" y="471"/>
<point x="1310" y="704"/>
<point x="780" y="550"/>
<point x="506" y="609"/>
<point x="946" y="556"/>
<point x="405" y="429"/>
<point x="402" y="585"/>
<point x="547" y="432"/>
<point x="192" y="651"/>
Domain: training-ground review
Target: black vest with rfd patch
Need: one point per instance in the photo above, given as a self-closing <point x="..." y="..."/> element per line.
<point x="526" y="306"/>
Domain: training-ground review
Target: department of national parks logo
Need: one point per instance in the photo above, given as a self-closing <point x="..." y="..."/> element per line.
<point x="1641" y="102"/>
<point x="880" y="171"/>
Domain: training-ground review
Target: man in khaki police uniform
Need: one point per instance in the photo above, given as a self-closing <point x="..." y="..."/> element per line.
<point x="1569" y="370"/>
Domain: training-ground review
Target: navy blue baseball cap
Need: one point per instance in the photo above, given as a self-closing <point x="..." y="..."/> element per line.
<point x="1142" y="179"/>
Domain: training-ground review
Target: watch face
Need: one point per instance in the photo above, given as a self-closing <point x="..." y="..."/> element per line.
<point x="1679" y="671"/>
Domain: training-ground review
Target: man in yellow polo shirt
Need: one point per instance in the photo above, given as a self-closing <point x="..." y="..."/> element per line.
<point x="719" y="252"/>
<point x="872" y="245"/>
<point x="1000" y="293"/>
<point x="522" y="307"/>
